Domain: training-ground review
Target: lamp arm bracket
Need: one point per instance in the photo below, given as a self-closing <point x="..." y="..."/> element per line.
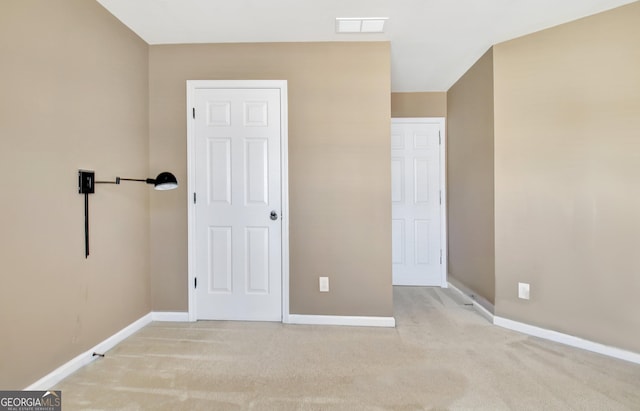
<point x="117" y="181"/>
<point x="132" y="179"/>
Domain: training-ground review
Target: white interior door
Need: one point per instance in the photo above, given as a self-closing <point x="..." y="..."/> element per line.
<point x="417" y="206"/>
<point x="238" y="248"/>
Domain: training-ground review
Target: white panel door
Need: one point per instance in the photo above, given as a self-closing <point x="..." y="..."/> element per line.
<point x="416" y="203"/>
<point x="238" y="227"/>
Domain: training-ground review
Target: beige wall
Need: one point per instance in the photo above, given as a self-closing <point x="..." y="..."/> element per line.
<point x="567" y="160"/>
<point x="339" y="168"/>
<point x="425" y="104"/>
<point x="470" y="178"/>
<point x="79" y="90"/>
<point x="73" y="94"/>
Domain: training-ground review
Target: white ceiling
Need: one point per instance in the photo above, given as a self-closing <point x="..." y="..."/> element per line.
<point x="433" y="42"/>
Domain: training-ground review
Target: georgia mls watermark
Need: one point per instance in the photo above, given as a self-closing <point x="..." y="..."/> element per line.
<point x="30" y="400"/>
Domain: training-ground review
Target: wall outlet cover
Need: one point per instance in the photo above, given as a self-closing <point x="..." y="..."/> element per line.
<point x="523" y="291"/>
<point x="324" y="284"/>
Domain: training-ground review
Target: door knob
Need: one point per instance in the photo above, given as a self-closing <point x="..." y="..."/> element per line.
<point x="274" y="215"/>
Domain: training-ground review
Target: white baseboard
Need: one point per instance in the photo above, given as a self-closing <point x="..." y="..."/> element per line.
<point x="60" y="373"/>
<point x="170" y="316"/>
<point x="567" y="340"/>
<point x="57" y="375"/>
<point x="482" y="306"/>
<point x="485" y="309"/>
<point x="342" y="320"/>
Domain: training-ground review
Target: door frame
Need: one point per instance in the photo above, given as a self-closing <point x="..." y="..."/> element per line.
<point x="441" y="121"/>
<point x="192" y="86"/>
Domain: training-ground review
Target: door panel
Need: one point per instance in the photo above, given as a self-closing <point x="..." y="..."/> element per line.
<point x="257" y="264"/>
<point x="257" y="175"/>
<point x="238" y="246"/>
<point x="219" y="267"/>
<point x="416" y="205"/>
<point x="219" y="172"/>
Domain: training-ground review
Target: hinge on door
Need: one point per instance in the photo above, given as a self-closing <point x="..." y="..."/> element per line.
<point x="194" y="197"/>
<point x="440" y="200"/>
<point x="440" y="256"/>
<point x="439" y="138"/>
<point x="194" y="112"/>
<point x="195" y="282"/>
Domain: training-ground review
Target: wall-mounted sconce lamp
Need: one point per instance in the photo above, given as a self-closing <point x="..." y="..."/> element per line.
<point x="86" y="186"/>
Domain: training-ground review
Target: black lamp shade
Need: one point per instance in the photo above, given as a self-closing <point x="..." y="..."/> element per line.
<point x="165" y="181"/>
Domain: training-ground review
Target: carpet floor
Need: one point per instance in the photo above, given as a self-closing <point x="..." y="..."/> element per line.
<point x="441" y="356"/>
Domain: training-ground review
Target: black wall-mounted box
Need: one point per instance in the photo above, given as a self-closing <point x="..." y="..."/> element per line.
<point x="86" y="182"/>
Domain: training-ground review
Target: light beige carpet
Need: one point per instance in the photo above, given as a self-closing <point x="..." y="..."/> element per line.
<point x="441" y="356"/>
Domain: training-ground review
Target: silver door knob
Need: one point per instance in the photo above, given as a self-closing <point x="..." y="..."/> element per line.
<point x="274" y="215"/>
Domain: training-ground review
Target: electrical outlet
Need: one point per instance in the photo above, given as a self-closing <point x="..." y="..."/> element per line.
<point x="523" y="291"/>
<point x="324" y="284"/>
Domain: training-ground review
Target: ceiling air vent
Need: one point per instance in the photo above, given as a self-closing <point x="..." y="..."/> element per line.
<point x="360" y="24"/>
